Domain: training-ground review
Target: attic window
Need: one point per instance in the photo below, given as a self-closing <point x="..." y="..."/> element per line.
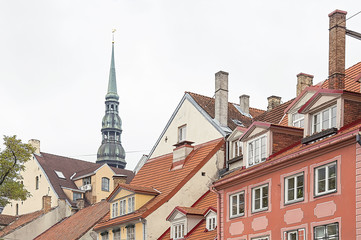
<point x="238" y="123"/>
<point x="324" y="119"/>
<point x="60" y="174"/>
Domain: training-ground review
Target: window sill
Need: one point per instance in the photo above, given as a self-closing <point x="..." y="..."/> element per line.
<point x="294" y="201"/>
<point x="236" y="216"/>
<point x="324" y="193"/>
<point x="259" y="210"/>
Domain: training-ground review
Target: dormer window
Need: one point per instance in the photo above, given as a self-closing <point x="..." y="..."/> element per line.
<point x="131" y="204"/>
<point x="182" y="133"/>
<point x="257" y="150"/>
<point x="211" y="220"/>
<point x="298" y="120"/>
<point x="236" y="149"/>
<point x="178" y="230"/>
<point x="324" y="119"/>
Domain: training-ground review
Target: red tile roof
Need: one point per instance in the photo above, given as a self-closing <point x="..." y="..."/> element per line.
<point x="276" y="115"/>
<point x="20" y="221"/>
<point x="68" y="166"/>
<point x="208" y="104"/>
<point x="351" y="74"/>
<point x="156" y="174"/>
<point x="75" y="226"/>
<point x="6" y="219"/>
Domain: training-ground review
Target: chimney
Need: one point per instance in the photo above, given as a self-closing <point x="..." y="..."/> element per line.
<point x="119" y="179"/>
<point x="46" y="203"/>
<point x="80" y="202"/>
<point x="35" y="144"/>
<point x="273" y="101"/>
<point x="221" y="98"/>
<point x="180" y="153"/>
<point x="336" y="60"/>
<point x="303" y="80"/>
<point x="244" y="103"/>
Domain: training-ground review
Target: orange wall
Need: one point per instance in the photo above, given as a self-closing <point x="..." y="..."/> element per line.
<point x="335" y="207"/>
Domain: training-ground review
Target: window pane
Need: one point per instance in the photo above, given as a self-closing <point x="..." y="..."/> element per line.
<point x="265" y="202"/>
<point x="321" y="186"/>
<point x="241" y="204"/>
<point x="257" y="193"/>
<point x="257" y="204"/>
<point x="320" y="232"/>
<point x="300" y="181"/>
<point x="263" y="148"/>
<point x="321" y="173"/>
<point x="325" y="119"/>
<point x="257" y="151"/>
<point x="333" y="117"/>
<point x="265" y="191"/>
<point x="302" y="123"/>
<point x="332" y="230"/>
<point x="316" y="123"/>
<point x="250" y="153"/>
<point x="234" y="205"/>
<point x="290" y="195"/>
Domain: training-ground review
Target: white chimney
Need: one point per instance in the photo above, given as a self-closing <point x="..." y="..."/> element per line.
<point x="35" y="144"/>
<point x="244" y="103"/>
<point x="221" y="98"/>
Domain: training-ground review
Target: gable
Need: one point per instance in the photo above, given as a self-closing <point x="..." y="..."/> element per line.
<point x="198" y="128"/>
<point x="120" y="194"/>
<point x="298" y="103"/>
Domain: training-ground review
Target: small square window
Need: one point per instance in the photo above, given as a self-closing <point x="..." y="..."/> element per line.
<point x="260" y="198"/>
<point x="294" y="188"/>
<point x="326" y="179"/>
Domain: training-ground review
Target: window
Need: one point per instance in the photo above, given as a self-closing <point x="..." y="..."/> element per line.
<point x="17" y="209"/>
<point x="116" y="234"/>
<point x="114" y="209"/>
<point x="298" y="120"/>
<point x="211" y="223"/>
<point x="105" y="184"/>
<point x="122" y="207"/>
<point x="294" y="188"/>
<point x="260" y="198"/>
<point x="297" y="234"/>
<point x="76" y="196"/>
<point x="261" y="238"/>
<point x="36" y="182"/>
<point x="131" y="204"/>
<point x="86" y="180"/>
<point x="236" y="149"/>
<point x="59" y="174"/>
<point x="257" y="151"/>
<point x="130" y="232"/>
<point x="327" y="232"/>
<point x="178" y="230"/>
<point x="182" y="133"/>
<point x="324" y="119"/>
<point x="105" y="236"/>
<point x="236" y="204"/>
<point x="325" y="179"/>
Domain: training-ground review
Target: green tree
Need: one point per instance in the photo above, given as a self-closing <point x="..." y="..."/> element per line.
<point x="12" y="160"/>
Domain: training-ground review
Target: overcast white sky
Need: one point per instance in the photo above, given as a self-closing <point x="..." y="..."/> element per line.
<point x="55" y="58"/>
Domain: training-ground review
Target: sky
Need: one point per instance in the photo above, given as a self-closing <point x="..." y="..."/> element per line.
<point x="55" y="60"/>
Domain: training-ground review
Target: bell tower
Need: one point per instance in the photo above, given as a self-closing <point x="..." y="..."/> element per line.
<point x="111" y="150"/>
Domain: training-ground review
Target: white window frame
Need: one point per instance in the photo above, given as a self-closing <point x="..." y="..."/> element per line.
<point x="251" y="151"/>
<point x="178" y="230"/>
<point x="237" y="195"/>
<point x="182" y="133"/>
<point x="122" y="207"/>
<point x="131" y="233"/>
<point x="261" y="238"/>
<point x="298" y="120"/>
<point x="295" y="188"/>
<point x="131" y="204"/>
<point x="320" y="117"/>
<point x="299" y="232"/>
<point x="327" y="179"/>
<point x="261" y="188"/>
<point x="105" y="184"/>
<point x="236" y="147"/>
<point x="115" y="209"/>
<point x="211" y="223"/>
<point x="326" y="236"/>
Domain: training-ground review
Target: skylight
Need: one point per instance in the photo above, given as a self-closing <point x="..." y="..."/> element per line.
<point x="238" y="123"/>
<point x="60" y="174"/>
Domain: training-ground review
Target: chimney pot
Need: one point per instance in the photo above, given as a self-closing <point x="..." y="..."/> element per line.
<point x="180" y="153"/>
<point x="35" y="144"/>
<point x="273" y="101"/>
<point x="46" y="203"/>
<point x="221" y="98"/>
<point x="337" y="40"/>
<point x="244" y="103"/>
<point x="303" y="80"/>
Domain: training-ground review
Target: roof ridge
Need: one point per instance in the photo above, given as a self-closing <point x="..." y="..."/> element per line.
<point x="68" y="157"/>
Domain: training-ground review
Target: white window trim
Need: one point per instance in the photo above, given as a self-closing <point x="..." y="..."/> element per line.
<point x="295" y="188"/>
<point x="261" y="238"/>
<point x="178" y="227"/>
<point x="325" y="226"/>
<point x="182" y="133"/>
<point x="262" y="208"/>
<point x="327" y="190"/>
<point x="298" y="121"/>
<point x="122" y="207"/>
<point x="211" y="223"/>
<point x="254" y="150"/>
<point x="131" y="204"/>
<point x="235" y="148"/>
<point x="231" y="204"/>
<point x="329" y="109"/>
<point x="115" y="210"/>
<point x="133" y="232"/>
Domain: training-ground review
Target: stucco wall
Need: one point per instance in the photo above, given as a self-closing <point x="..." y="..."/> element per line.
<point x="105" y="171"/>
<point x="33" y="203"/>
<point x="186" y="196"/>
<point x="42" y="223"/>
<point x="199" y="130"/>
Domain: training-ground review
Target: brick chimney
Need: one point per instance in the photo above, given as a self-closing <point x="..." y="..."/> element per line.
<point x="244" y="103"/>
<point x="46" y="203"/>
<point x="119" y="179"/>
<point x="221" y="98"/>
<point x="35" y="144"/>
<point x="336" y="61"/>
<point x="80" y="203"/>
<point x="180" y="153"/>
<point x="273" y="101"/>
<point x="303" y="80"/>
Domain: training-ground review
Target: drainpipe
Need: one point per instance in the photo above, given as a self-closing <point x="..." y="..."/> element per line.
<point x="218" y="212"/>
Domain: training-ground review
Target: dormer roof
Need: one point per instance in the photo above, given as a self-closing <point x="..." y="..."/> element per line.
<point x="133" y="188"/>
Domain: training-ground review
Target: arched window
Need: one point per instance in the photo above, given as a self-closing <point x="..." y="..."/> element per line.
<point x="36" y="182"/>
<point x="105" y="184"/>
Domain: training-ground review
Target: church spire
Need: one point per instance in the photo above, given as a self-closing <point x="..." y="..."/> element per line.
<point x="111" y="150"/>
